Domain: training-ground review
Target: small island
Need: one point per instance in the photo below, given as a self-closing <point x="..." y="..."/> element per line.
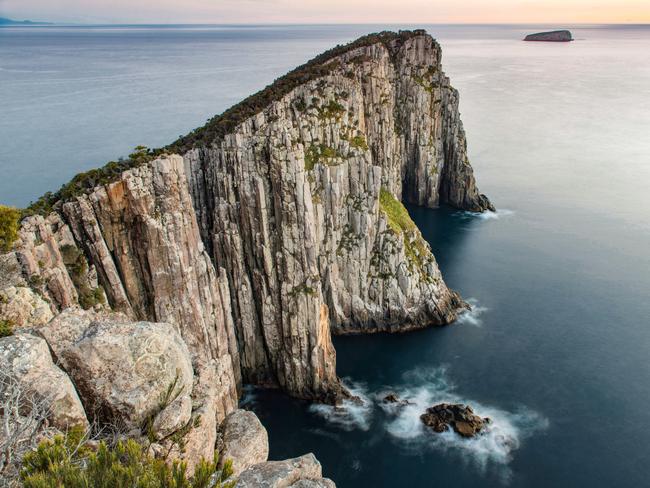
<point x="552" y="36"/>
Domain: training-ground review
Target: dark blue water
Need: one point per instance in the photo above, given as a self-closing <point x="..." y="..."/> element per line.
<point x="557" y="348"/>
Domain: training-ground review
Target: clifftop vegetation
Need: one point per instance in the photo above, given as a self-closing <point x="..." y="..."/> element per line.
<point x="220" y="125"/>
<point x="319" y="66"/>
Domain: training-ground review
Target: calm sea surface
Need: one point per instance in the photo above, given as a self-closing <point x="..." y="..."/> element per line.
<point x="557" y="349"/>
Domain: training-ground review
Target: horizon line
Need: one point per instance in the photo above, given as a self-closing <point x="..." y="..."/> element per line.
<point x="43" y="23"/>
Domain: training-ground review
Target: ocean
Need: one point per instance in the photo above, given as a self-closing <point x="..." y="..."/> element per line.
<point x="557" y="347"/>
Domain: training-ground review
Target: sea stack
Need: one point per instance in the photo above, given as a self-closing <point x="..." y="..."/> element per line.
<point x="552" y="36"/>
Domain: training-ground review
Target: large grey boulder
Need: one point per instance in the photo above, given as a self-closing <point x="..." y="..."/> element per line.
<point x="26" y="360"/>
<point x="296" y="472"/>
<point x="125" y="371"/>
<point x="245" y="440"/>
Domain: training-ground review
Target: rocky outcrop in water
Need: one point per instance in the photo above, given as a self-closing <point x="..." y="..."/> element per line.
<point x="459" y="417"/>
<point x="279" y="223"/>
<point x="552" y="36"/>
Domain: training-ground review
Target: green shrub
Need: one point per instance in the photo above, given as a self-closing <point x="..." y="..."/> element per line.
<point x="9" y="225"/>
<point x="398" y="217"/>
<point x="400" y="222"/>
<point x="6" y="328"/>
<point x="333" y="110"/>
<point x="359" y="142"/>
<point x="68" y="462"/>
<point x="320" y="153"/>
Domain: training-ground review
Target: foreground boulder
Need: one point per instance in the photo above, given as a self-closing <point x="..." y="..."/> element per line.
<point x="301" y="472"/>
<point x="125" y="371"/>
<point x="26" y="361"/>
<point x="245" y="440"/>
<point x="457" y="416"/>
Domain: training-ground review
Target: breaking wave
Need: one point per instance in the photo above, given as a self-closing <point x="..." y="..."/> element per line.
<point x="487" y="215"/>
<point x="351" y="414"/>
<point x="423" y="388"/>
<point x="496" y="444"/>
<point x="472" y="316"/>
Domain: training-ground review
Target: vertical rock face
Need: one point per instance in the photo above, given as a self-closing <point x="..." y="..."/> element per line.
<point x="301" y="205"/>
<point x="261" y="241"/>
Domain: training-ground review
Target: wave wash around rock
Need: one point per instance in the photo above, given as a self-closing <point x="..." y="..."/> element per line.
<point x="278" y="223"/>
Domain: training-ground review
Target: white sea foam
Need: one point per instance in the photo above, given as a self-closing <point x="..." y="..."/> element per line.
<point x="487" y="215"/>
<point x="422" y="388"/>
<point x="496" y="444"/>
<point x="249" y="397"/>
<point x="351" y="414"/>
<point x="472" y="316"/>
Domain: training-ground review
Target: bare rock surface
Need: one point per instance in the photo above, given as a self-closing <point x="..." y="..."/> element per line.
<point x="27" y="359"/>
<point x="22" y="306"/>
<point x="245" y="440"/>
<point x="283" y="474"/>
<point x="128" y="371"/>
<point x="318" y="483"/>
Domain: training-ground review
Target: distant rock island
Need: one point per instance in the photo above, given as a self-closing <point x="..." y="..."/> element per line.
<point x="5" y="21"/>
<point x="551" y="36"/>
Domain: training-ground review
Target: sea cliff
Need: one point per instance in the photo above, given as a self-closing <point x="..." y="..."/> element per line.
<point x="260" y="235"/>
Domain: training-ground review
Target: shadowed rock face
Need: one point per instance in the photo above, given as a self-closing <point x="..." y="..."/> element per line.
<point x="552" y="36"/>
<point x="259" y="244"/>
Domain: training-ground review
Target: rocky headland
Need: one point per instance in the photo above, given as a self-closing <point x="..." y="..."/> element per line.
<point x="150" y="290"/>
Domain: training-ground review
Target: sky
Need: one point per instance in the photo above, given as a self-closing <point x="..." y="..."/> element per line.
<point x="329" y="11"/>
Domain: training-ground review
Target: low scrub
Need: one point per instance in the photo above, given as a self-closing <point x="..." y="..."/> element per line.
<point x="68" y="461"/>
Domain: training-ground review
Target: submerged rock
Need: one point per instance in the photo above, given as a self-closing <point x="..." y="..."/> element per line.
<point x="551" y="36"/>
<point x="394" y="399"/>
<point x="455" y="415"/>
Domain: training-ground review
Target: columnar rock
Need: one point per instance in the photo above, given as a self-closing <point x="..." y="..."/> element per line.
<point x="280" y="222"/>
<point x="25" y="359"/>
<point x="301" y="204"/>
